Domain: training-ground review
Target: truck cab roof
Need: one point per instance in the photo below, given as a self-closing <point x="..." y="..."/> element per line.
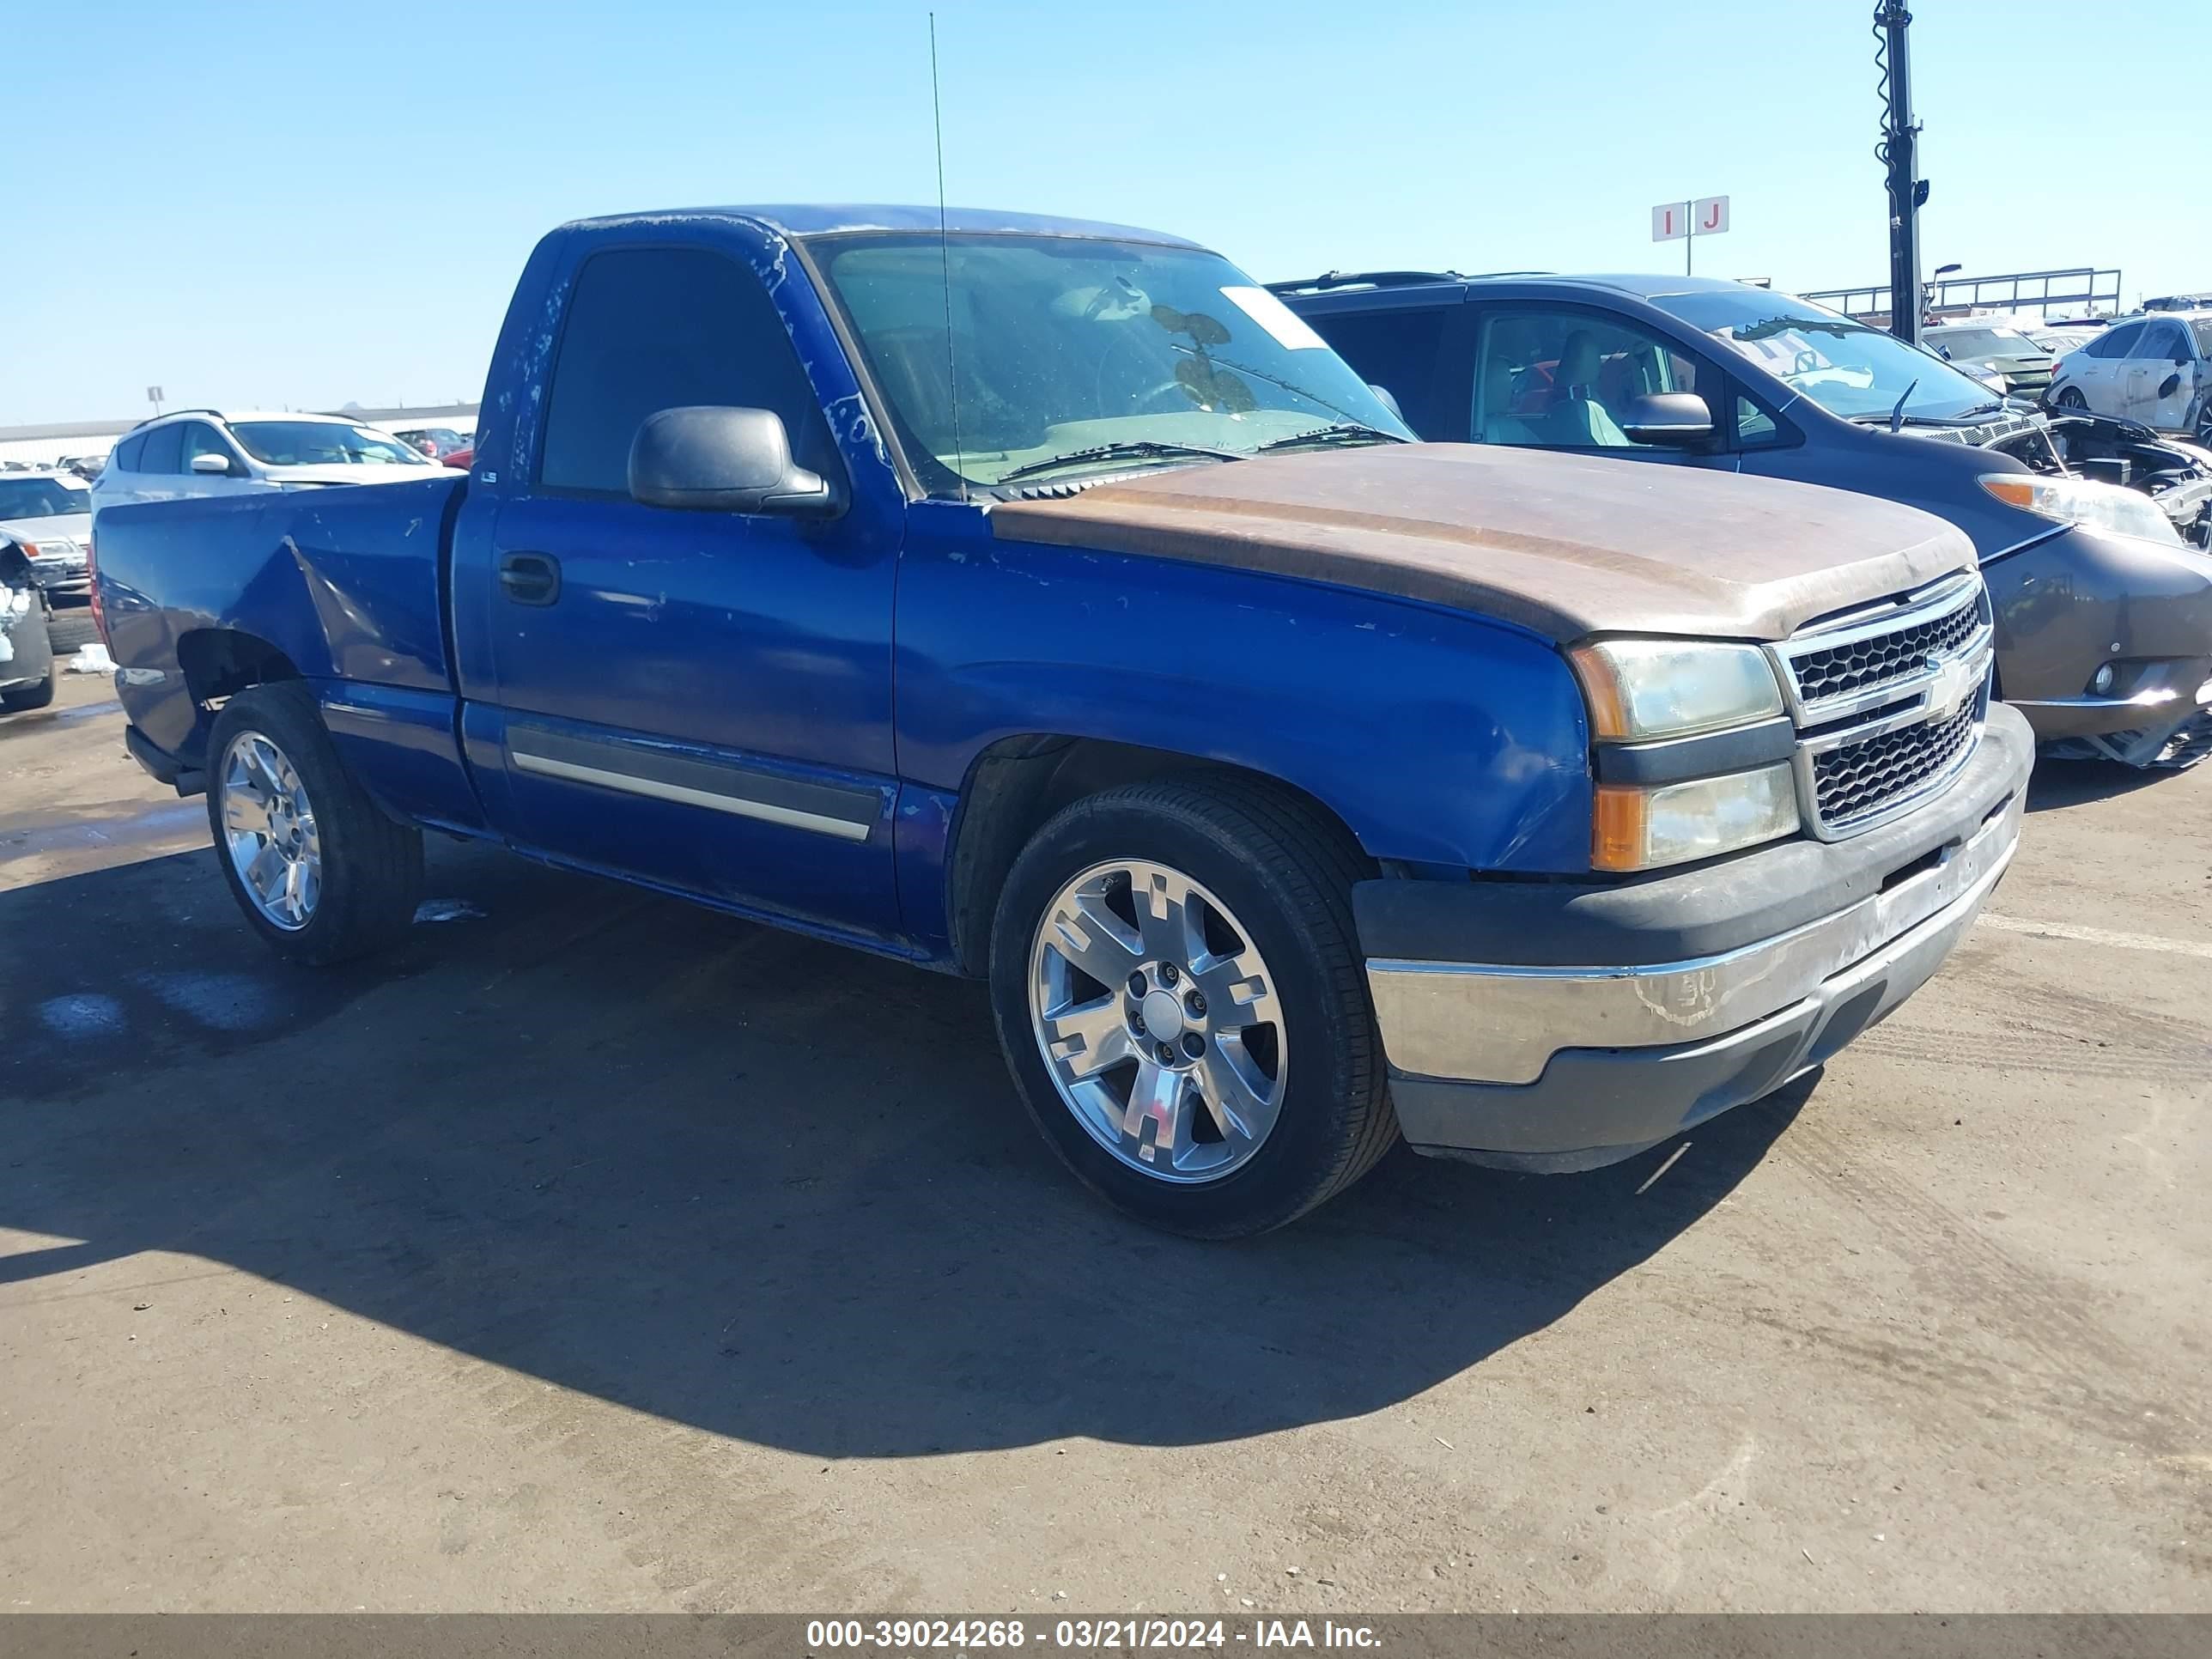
<point x="837" y="219"/>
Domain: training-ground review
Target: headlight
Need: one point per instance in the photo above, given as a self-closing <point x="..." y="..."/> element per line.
<point x="1650" y="690"/>
<point x="1639" y="689"/>
<point x="1641" y="828"/>
<point x="2078" y="501"/>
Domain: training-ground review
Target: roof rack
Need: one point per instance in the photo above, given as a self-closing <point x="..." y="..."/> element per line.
<point x="1330" y="279"/>
<point x="1363" y="279"/>
<point x="166" y="413"/>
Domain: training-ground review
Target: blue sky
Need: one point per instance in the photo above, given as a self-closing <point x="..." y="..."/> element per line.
<point x="300" y="204"/>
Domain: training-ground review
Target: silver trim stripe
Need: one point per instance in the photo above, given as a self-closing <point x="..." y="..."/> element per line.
<point x="843" y="829"/>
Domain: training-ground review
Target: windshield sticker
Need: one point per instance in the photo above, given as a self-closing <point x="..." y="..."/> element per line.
<point x="1289" y="328"/>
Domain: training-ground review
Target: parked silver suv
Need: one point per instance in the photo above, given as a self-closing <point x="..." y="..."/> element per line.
<point x="201" y="452"/>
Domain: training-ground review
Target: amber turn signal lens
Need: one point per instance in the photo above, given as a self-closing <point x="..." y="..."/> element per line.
<point x="1608" y="710"/>
<point x="1618" y="828"/>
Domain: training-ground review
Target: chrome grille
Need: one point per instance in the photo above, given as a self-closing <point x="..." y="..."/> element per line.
<point x="1883" y="658"/>
<point x="1888" y="702"/>
<point x="1861" y="776"/>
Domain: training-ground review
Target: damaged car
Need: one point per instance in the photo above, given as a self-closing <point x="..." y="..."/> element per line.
<point x="2104" y="609"/>
<point x="27" y="656"/>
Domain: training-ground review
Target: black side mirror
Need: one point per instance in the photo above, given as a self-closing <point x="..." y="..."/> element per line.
<point x="725" y="460"/>
<point x="1675" y="419"/>
<point x="2168" y="386"/>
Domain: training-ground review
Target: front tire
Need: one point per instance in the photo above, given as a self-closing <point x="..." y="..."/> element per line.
<point x="319" y="870"/>
<point x="1179" y="996"/>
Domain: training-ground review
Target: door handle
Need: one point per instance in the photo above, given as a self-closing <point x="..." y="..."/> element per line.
<point x="530" y="577"/>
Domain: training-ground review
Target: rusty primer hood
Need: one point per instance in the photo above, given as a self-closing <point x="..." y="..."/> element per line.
<point x="1568" y="545"/>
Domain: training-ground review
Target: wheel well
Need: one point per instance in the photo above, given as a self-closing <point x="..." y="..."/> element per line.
<point x="221" y="662"/>
<point x="1018" y="783"/>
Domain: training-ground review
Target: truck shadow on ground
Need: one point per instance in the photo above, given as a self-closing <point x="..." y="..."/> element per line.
<point x="2063" y="783"/>
<point x="745" y="1182"/>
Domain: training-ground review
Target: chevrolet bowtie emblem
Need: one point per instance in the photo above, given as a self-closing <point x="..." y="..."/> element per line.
<point x="1954" y="682"/>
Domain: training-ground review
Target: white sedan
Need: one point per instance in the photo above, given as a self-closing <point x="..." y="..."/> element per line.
<point x="2157" y="369"/>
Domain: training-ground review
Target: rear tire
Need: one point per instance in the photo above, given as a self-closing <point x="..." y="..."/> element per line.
<point x="1270" y="884"/>
<point x="367" y="869"/>
<point x="2071" y="398"/>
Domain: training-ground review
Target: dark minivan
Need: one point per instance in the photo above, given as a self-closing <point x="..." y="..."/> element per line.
<point x="2104" y="614"/>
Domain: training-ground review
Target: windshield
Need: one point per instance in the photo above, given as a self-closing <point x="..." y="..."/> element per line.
<point x="40" y="498"/>
<point x="1847" y="368"/>
<point x="1062" y="345"/>
<point x="1982" y="343"/>
<point x="323" y="443"/>
<point x="442" y="439"/>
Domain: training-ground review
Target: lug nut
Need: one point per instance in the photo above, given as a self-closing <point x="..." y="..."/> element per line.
<point x="1167" y="1054"/>
<point x="1137" y="1021"/>
<point x="1167" y="973"/>
<point x="1193" y="1044"/>
<point x="1137" y="986"/>
<point x="1196" y="1004"/>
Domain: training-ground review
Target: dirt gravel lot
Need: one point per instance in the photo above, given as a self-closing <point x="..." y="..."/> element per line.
<point x="601" y="1252"/>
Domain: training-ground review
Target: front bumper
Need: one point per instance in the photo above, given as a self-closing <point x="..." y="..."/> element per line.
<point x="1714" y="987"/>
<point x="26" y="654"/>
<point x="2166" y="721"/>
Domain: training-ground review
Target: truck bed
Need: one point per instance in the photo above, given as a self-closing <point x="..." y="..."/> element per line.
<point x="342" y="582"/>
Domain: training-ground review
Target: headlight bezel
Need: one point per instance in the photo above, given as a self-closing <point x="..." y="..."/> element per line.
<point x="1647" y="693"/>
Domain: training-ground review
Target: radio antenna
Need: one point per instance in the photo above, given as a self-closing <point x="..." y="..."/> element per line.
<point x="944" y="260"/>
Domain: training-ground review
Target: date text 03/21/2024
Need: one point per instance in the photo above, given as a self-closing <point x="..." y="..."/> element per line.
<point x="1106" y="1635"/>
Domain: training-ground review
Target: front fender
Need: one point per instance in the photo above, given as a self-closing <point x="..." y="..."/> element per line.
<point x="1438" y="737"/>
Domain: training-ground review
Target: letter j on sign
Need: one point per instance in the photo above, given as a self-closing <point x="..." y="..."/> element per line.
<point x="1685" y="222"/>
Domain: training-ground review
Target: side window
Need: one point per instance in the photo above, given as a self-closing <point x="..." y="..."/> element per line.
<point x="1397" y="349"/>
<point x="1754" y="427"/>
<point x="125" y="459"/>
<point x="1561" y="379"/>
<point x="201" y="439"/>
<point x="2117" y="341"/>
<point x="650" y="329"/>
<point x="2164" y="342"/>
<point x="164" y="446"/>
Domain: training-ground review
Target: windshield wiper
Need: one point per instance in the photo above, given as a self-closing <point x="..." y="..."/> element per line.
<point x="1336" y="432"/>
<point x="1128" y="449"/>
<point x="1897" y="415"/>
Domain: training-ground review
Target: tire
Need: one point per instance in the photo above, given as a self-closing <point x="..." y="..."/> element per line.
<point x="1263" y="872"/>
<point x="367" y="868"/>
<point x="71" y="627"/>
<point x="2071" y="398"/>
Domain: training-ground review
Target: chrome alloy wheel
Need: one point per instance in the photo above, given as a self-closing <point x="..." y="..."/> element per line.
<point x="1158" y="1021"/>
<point x="269" y="831"/>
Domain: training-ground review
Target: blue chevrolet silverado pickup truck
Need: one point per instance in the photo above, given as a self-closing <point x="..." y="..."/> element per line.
<point x="1043" y="601"/>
